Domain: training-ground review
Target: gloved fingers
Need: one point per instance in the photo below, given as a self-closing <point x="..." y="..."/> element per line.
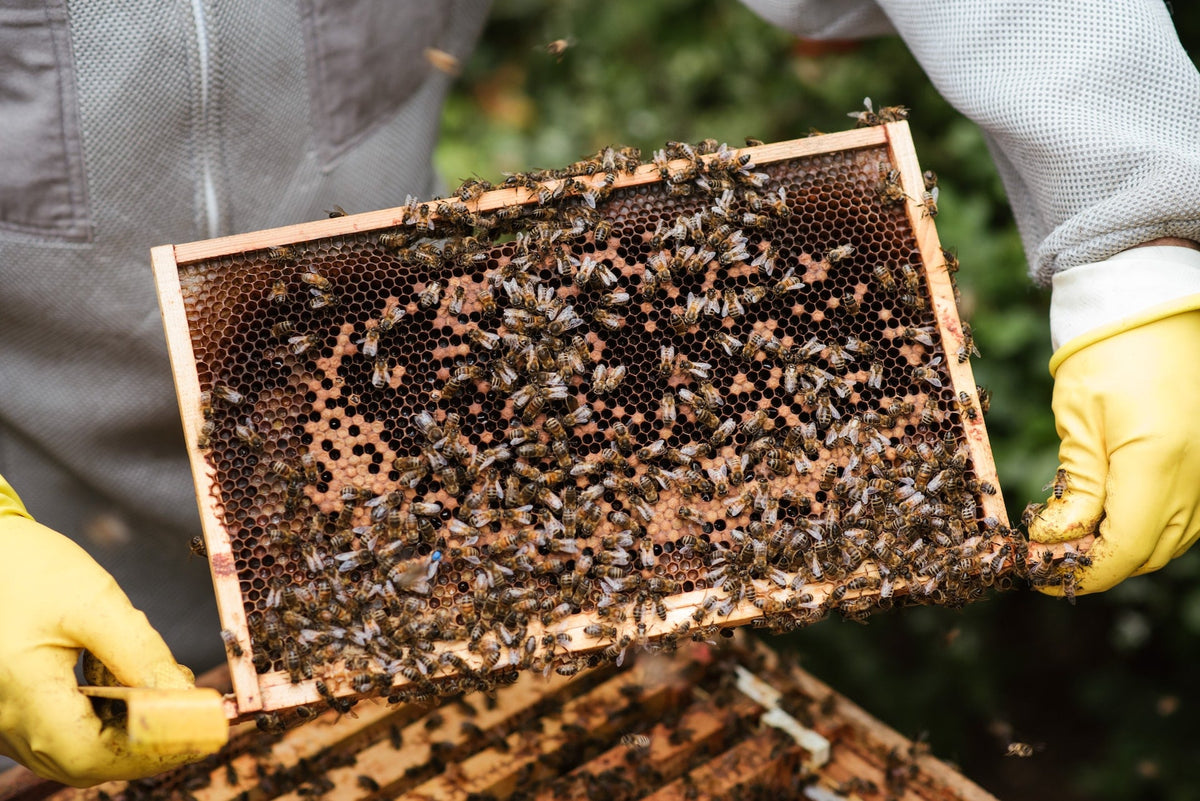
<point x="122" y="638"/>
<point x="94" y="613"/>
<point x="1138" y="512"/>
<point x="1081" y="476"/>
<point x="51" y="728"/>
<point x="1180" y="534"/>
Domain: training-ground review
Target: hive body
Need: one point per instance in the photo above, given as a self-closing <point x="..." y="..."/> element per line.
<point x="706" y="723"/>
<point x="424" y="450"/>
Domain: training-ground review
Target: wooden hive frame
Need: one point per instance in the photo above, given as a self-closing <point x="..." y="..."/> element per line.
<point x="275" y="690"/>
<point x="720" y="722"/>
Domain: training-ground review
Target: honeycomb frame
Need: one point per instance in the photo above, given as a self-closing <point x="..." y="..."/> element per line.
<point x="180" y="267"/>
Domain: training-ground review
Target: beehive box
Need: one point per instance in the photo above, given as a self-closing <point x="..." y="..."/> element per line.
<point x="602" y="408"/>
<point x="733" y="722"/>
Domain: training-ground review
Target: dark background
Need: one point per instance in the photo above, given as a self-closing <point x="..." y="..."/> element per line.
<point x="1104" y="689"/>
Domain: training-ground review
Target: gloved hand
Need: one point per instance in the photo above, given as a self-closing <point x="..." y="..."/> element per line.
<point x="1127" y="409"/>
<point x="54" y="601"/>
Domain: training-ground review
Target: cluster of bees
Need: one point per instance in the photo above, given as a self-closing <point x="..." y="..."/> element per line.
<point x="615" y="734"/>
<point x="728" y="381"/>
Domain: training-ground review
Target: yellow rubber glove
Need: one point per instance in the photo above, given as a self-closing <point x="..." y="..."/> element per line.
<point x="54" y="601"/>
<point x="1127" y="409"/>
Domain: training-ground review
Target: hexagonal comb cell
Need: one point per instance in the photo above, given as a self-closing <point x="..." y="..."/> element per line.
<point x="596" y="409"/>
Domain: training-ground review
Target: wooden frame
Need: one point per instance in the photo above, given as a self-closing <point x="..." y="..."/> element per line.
<point x="252" y="692"/>
<point x="727" y="742"/>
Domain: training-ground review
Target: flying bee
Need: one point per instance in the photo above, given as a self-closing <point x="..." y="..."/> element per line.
<point x="430" y="296"/>
<point x="1022" y="750"/>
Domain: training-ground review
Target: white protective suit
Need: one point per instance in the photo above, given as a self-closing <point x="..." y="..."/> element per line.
<point x="125" y="126"/>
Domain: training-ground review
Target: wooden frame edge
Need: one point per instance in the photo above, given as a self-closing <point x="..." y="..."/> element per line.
<point x="191" y="252"/>
<point x="941" y="290"/>
<point x="230" y="606"/>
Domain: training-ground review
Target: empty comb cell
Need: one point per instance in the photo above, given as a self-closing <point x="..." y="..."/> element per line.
<point x="611" y="407"/>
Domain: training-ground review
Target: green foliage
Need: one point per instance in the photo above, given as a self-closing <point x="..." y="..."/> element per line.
<point x="1102" y="688"/>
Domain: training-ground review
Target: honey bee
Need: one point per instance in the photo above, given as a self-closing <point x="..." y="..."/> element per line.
<point x="381" y="373"/>
<point x="336" y="211"/>
<point x="765" y="261"/>
<point x="442" y="61"/>
<point x="624" y="441"/>
<point x="639" y="743"/>
<point x="923" y="335"/>
<point x="606" y="379"/>
<point x="458" y="296"/>
<point x="279" y="292"/>
<point x="1059" y="484"/>
<point x="315" y="280"/>
<point x="197" y="547"/>
<point x="967" y="349"/>
<point x="1021" y="750"/>
<point x="951" y="261"/>
<point x="208" y="429"/>
<point x="430" y="296"/>
<point x="694" y="517"/>
<point x="607" y="319"/>
<point x="929" y="206"/>
<point x="985" y="398"/>
<point x="226" y="394"/>
<point x="248" y="435"/>
<point x="758" y="423"/>
<point x="930" y="374"/>
<point x="790" y="282"/>
<point x="839" y="254"/>
<point x="889" y="189"/>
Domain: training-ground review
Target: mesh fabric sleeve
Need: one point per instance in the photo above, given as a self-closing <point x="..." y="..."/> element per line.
<point x="1091" y="112"/>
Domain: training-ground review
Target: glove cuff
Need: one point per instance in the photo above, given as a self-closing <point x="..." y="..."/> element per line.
<point x="1137" y="286"/>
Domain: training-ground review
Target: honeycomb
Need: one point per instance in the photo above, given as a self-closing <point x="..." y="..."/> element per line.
<point x="708" y="723"/>
<point x="592" y="410"/>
